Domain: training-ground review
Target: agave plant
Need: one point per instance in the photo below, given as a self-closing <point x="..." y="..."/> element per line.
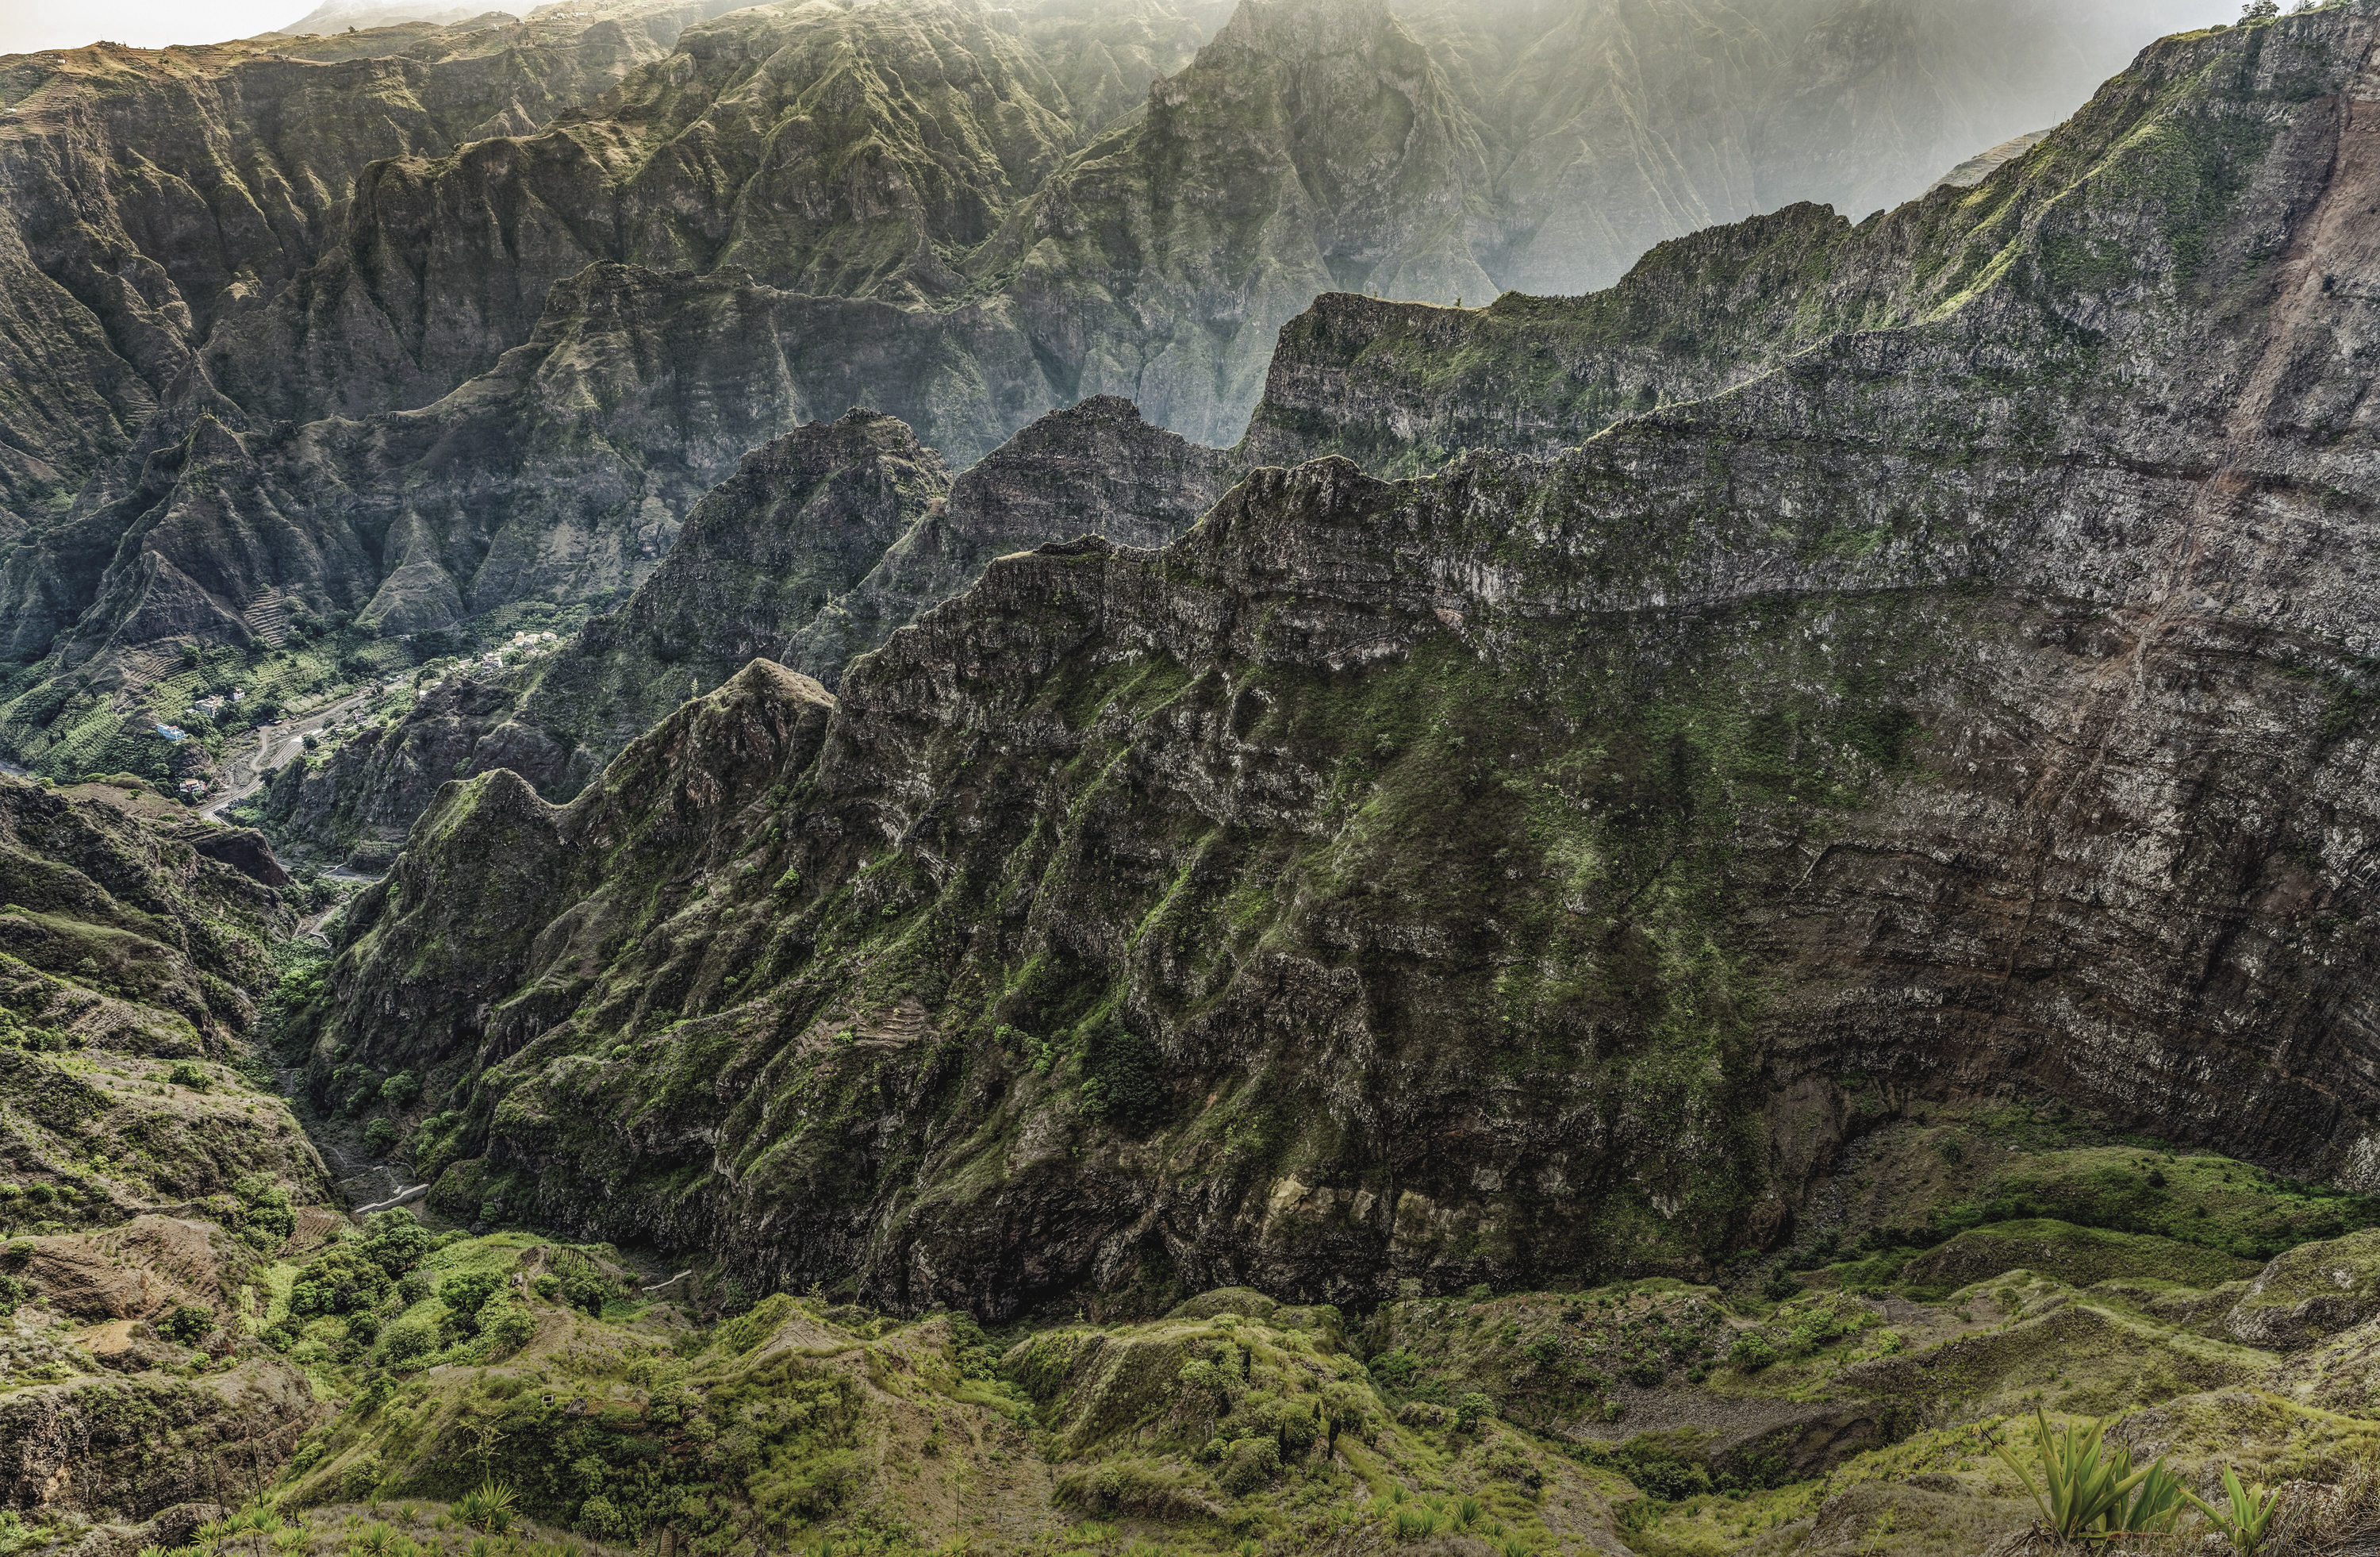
<point x="2089" y="1489"/>
<point x="488" y="1508"/>
<point x="377" y="1539"/>
<point x="2249" y="1516"/>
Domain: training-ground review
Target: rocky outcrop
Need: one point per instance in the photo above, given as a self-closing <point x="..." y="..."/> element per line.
<point x="1404" y="387"/>
<point x="825" y="542"/>
<point x="1095" y="468"/>
<point x="93" y="1446"/>
<point x="243" y="849"/>
<point x="1539" y="867"/>
<point x="98" y="891"/>
<point x="803" y="520"/>
<point x="142" y="1172"/>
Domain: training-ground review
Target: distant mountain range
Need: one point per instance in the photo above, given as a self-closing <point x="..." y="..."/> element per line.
<point x="405" y="328"/>
<point x="360" y="16"/>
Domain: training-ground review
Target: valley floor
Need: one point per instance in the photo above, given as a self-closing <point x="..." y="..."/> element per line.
<point x="1980" y="1267"/>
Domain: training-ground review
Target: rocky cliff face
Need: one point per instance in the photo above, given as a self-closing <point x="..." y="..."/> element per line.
<point x="398" y="334"/>
<point x="561" y="471"/>
<point x="824" y="543"/>
<point x="144" y="1172"/>
<point x="561" y="477"/>
<point x="802" y="520"/>
<point x="1403" y="387"/>
<point x="156" y="196"/>
<point x="1544" y="866"/>
<point x="1094" y="469"/>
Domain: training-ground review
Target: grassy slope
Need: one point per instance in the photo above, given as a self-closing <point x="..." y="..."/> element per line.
<point x="1670" y="1419"/>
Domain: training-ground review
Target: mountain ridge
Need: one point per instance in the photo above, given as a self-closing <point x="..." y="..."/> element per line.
<point x="1237" y="834"/>
<point x="1003" y="250"/>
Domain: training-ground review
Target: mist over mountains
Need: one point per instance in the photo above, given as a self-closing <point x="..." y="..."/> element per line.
<point x="1305" y="777"/>
<point x="404" y="327"/>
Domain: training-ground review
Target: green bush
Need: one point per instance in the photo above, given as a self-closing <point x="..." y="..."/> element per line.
<point x="507" y="1324"/>
<point x="185" y="1325"/>
<point x="1346" y="1408"/>
<point x="1665" y="1475"/>
<point x="338" y="1280"/>
<point x="579" y="1281"/>
<point x="264" y="1215"/>
<point x="1396" y="1369"/>
<point x="184" y="1074"/>
<point x="408" y="1341"/>
<point x="1752" y="1353"/>
<point x="599" y="1518"/>
<point x="358" y="1477"/>
<point x="1250" y="1464"/>
<point x="465" y="1296"/>
<point x="395" y="1241"/>
<point x="1146" y="1488"/>
<point x="400" y="1089"/>
<point x="1506" y="1461"/>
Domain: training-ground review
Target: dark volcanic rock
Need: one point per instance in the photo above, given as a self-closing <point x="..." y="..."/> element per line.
<point x="244" y="849"/>
<point x="1541" y="868"/>
<point x="824" y="543"/>
<point x="406" y="329"/>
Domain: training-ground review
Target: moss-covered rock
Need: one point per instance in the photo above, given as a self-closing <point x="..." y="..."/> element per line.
<point x="2314" y="1291"/>
<point x="2077" y="1256"/>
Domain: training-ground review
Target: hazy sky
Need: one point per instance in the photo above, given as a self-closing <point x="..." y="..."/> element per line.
<point x="48" y="24"/>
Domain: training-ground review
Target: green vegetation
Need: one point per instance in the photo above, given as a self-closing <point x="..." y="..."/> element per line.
<point x="805" y="1421"/>
<point x="2087" y="1490"/>
<point x="2246" y="1515"/>
<point x="2077" y="1256"/>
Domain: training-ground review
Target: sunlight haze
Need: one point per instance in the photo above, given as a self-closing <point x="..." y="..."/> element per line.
<point x="26" y="25"/>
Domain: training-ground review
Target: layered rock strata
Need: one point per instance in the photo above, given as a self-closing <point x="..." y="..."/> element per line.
<point x="824" y="543"/>
<point x="1538" y="869"/>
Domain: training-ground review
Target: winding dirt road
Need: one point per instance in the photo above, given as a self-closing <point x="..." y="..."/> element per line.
<point x="273" y="744"/>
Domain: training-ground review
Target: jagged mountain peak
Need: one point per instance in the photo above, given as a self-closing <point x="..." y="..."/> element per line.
<point x="1293" y="27"/>
<point x="1542" y="856"/>
<point x="582" y="318"/>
